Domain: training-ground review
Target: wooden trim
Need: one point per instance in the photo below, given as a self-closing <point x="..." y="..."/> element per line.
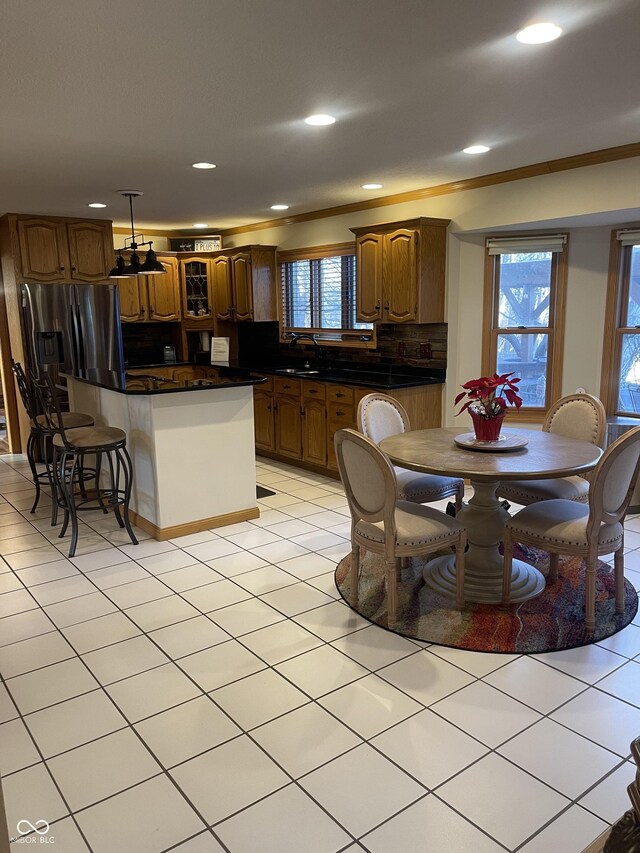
<point x="163" y="533"/>
<point x="546" y="167"/>
<point x="312" y="253"/>
<point x="608" y="379"/>
<point x="155" y="233"/>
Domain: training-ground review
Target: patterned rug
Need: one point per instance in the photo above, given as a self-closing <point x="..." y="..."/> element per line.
<point x="552" y="621"/>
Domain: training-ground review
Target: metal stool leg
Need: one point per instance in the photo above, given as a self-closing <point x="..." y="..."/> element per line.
<point x="127" y="468"/>
<point x="32" y="465"/>
<point x="114" y="501"/>
<point x="67" y="485"/>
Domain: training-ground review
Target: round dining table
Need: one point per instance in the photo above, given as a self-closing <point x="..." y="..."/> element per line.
<point x="545" y="456"/>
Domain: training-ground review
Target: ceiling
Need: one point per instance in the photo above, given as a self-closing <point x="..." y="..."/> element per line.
<point x="98" y="96"/>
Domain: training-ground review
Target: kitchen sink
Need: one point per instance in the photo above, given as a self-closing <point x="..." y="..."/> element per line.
<point x="297" y="371"/>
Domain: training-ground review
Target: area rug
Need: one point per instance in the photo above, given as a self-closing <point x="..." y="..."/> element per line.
<point x="552" y="621"/>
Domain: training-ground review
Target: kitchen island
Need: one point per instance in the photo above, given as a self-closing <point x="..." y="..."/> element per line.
<point x="191" y="444"/>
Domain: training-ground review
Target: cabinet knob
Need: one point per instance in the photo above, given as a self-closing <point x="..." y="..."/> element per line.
<point x="376" y="307"/>
<point x="61" y="269"/>
<point x="73" y="269"/>
<point x="313" y="390"/>
<point x="286" y="386"/>
<point x="340" y="414"/>
<point x="302" y="412"/>
<point x="386" y="307"/>
<point x="339" y="394"/>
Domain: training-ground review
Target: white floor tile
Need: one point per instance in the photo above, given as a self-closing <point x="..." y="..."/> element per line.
<point x="294" y="599"/>
<point x="146" y="549"/>
<point x="31" y="792"/>
<point x="236" y="564"/>
<point x="302" y="740"/>
<point x="254" y="538"/>
<point x="34" y="653"/>
<point x="220" y="665"/>
<point x="147" y="818"/>
<point x="51" y="685"/>
<point x="536" y="684"/>
<point x="486" y="713"/>
<point x="190" y="577"/>
<point x="123" y="762"/>
<point x="162" y="612"/>
<point x="308" y="566"/>
<point x="625" y="642"/>
<point x="291" y="528"/>
<point x="107" y="557"/>
<point x="254" y="776"/>
<point x="593" y="713"/>
<point x="16" y="601"/>
<point x="203" y="843"/>
<point x="46" y="572"/>
<point x="8" y="710"/>
<point x="157" y="564"/>
<point x="361" y="789"/>
<point x="123" y="573"/>
<point x="194" y="538"/>
<point x="121" y="660"/>
<point x="245" y="616"/>
<point x="100" y="632"/>
<point x="32" y="623"/>
<point x="258" y="698"/>
<point x="266" y="579"/>
<point x="425" y="677"/>
<point x="213" y="596"/>
<point x="476" y="663"/>
<point x="280" y="641"/>
<point x="280" y="822"/>
<point x="502" y="799"/>
<point x="564" y="760"/>
<point x="74" y="722"/>
<point x="429" y="748"/>
<point x="189" y="636"/>
<point x="624" y="683"/>
<point x="277" y="552"/>
<point x="152" y="691"/>
<point x="588" y="663"/>
<point x="447" y="832"/>
<point x="217" y="547"/>
<point x="200" y="724"/>
<point x="76" y="610"/>
<point x="321" y="670"/>
<point x="17" y="749"/>
<point x="574" y="830"/>
<point x="67" y="836"/>
<point x="369" y="705"/>
<point x="325" y="583"/>
<point x="331" y="621"/>
<point x="138" y="592"/>
<point x="373" y="647"/>
<point x="609" y="799"/>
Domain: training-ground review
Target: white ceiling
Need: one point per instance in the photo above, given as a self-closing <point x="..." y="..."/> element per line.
<point x="97" y="96"/>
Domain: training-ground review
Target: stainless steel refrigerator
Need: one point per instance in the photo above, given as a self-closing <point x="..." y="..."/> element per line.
<point x="72" y="328"/>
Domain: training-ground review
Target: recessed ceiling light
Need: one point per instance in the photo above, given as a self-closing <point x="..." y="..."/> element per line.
<point x="371" y="186"/>
<point x="539" y="33"/>
<point x="476" y="149"/>
<point x="200" y="224"/>
<point x="279" y="207"/>
<point x="204" y="165"/>
<point x="96" y="204"/>
<point x="319" y="120"/>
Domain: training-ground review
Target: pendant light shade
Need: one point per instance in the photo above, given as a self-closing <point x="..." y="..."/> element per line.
<point x="118" y="270"/>
<point x="151" y="265"/>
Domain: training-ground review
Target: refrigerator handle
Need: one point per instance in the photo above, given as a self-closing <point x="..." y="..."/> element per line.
<point x="73" y="325"/>
<point x="80" y="339"/>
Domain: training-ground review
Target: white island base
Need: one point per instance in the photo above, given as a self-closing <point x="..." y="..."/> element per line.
<point x="192" y="452"/>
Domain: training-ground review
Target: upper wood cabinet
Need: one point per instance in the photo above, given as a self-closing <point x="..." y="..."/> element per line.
<point x="151" y="298"/>
<point x="400" y="271"/>
<point x="52" y="249"/>
<point x="197" y="290"/>
<point x="245" y="283"/>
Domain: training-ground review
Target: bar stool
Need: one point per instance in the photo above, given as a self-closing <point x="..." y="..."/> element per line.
<point x="70" y="449"/>
<point x="40" y="435"/>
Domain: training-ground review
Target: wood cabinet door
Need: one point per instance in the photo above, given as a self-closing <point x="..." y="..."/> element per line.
<point x="90" y="250"/>
<point x="288" y="427"/>
<point x="133" y="301"/>
<point x="197" y="296"/>
<point x="163" y="292"/>
<point x="222" y="292"/>
<point x="241" y="276"/>
<point x="314" y="432"/>
<point x="400" y="276"/>
<point x="43" y="250"/>
<point x="369" y="277"/>
<point x="264" y="420"/>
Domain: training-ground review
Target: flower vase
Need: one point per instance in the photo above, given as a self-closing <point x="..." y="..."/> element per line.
<point x="487" y="429"/>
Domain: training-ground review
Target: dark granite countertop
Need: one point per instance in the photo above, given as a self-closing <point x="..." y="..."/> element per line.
<point x="371" y="376"/>
<point x="131" y="384"/>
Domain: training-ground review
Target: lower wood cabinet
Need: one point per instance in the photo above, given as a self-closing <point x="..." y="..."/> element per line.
<point x="297" y="419"/>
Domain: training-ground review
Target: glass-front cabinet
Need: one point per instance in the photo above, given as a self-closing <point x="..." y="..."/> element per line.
<point x="197" y="291"/>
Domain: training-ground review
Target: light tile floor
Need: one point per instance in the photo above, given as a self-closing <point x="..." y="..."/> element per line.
<point x="214" y="693"/>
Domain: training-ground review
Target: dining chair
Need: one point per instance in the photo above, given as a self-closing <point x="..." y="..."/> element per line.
<point x="579" y="416"/>
<point x="583" y="530"/>
<point x="380" y="416"/>
<point x="385" y="525"/>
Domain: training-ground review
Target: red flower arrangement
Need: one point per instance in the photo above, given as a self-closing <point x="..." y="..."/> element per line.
<point x="489" y="396"/>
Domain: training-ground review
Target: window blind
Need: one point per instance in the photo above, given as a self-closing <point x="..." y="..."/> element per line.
<point x="320" y="294"/>
<point x="540" y="243"/>
<point x="629" y="237"/>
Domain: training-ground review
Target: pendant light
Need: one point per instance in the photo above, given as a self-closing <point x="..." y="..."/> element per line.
<point x="151" y="265"/>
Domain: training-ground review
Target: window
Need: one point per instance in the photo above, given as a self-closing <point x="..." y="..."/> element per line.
<point x="621" y="352"/>
<point x="524" y="316"/>
<point x="319" y="293"/>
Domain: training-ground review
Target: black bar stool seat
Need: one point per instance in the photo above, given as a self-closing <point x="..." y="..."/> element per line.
<point x="70" y="420"/>
<point x="91" y="438"/>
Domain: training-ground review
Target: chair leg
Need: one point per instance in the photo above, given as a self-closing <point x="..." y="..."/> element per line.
<point x="391" y="592"/>
<point x="508" y="559"/>
<point x="460" y="546"/>
<point x="590" y="603"/>
<point x="355" y="574"/>
<point x="32" y="465"/>
<point x="618" y="568"/>
<point x="554" y="563"/>
<point x="115" y="476"/>
<point x="459" y="496"/>
<point x="127" y="467"/>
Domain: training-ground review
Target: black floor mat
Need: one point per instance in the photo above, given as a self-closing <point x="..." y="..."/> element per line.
<point x="261" y="492"/>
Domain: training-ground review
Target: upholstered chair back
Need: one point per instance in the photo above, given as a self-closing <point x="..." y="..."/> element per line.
<point x="368" y="477"/>
<point x="380" y="416"/>
<point x="579" y="416"/>
<point x="614" y="480"/>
